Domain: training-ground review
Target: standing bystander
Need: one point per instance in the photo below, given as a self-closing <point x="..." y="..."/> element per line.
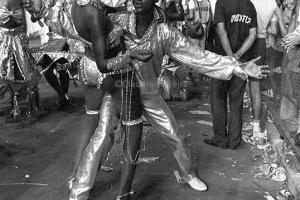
<point x="236" y="23"/>
<point x="265" y="10"/>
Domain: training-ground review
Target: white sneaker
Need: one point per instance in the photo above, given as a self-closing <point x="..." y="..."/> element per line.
<point x="197" y="184"/>
<point x="247" y="126"/>
<point x="259" y="134"/>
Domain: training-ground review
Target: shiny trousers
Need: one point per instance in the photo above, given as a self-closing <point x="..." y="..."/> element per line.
<point x="157" y="114"/>
<point x="98" y="148"/>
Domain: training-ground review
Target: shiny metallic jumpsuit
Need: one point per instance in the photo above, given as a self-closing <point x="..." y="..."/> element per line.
<point x="163" y="40"/>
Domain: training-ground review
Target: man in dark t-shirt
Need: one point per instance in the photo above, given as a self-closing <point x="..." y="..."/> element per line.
<point x="235" y="22"/>
<point x="238" y="16"/>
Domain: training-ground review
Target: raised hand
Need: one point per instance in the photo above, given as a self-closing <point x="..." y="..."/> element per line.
<point x="255" y="71"/>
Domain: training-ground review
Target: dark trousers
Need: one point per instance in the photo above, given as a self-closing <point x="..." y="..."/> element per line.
<point x="235" y="88"/>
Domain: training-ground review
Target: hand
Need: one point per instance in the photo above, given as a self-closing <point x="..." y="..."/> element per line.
<point x="142" y="55"/>
<point x="291" y="40"/>
<point x="32" y="5"/>
<point x="254" y="70"/>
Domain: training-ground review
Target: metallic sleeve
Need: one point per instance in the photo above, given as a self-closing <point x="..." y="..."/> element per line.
<point x="119" y="62"/>
<point x="182" y="50"/>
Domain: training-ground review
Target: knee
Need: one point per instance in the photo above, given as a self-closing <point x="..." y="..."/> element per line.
<point x="178" y="140"/>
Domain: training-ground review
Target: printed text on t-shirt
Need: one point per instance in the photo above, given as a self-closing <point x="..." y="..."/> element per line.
<point x="240" y="18"/>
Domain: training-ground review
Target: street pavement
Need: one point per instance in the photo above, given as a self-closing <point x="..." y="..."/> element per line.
<point x="36" y="158"/>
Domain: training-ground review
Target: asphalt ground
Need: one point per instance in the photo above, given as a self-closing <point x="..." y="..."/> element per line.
<point x="36" y="158"/>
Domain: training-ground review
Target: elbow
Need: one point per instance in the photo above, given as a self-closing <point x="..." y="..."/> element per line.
<point x="221" y="33"/>
<point x="254" y="36"/>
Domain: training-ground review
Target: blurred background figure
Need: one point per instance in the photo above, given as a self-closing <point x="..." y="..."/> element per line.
<point x="265" y="17"/>
<point x="61" y="83"/>
<point x="287" y="22"/>
<point x="17" y="67"/>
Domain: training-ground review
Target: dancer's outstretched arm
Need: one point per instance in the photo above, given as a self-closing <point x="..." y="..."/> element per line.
<point x="178" y="47"/>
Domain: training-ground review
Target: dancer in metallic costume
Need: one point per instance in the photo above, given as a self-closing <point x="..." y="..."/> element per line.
<point x="17" y="68"/>
<point x="145" y="29"/>
<point x="88" y="24"/>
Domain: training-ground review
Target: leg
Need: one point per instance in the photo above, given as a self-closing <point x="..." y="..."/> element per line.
<point x="132" y="129"/>
<point x="218" y="100"/>
<point x="255" y="96"/>
<point x="15" y="97"/>
<point x="53" y="81"/>
<point x="64" y="85"/>
<point x="45" y="62"/>
<point x="64" y="81"/>
<point x="93" y="99"/>
<point x="33" y="100"/>
<point x="161" y="118"/>
<point x="95" y="152"/>
<point x="133" y="144"/>
<point x="258" y="49"/>
<point x="236" y="96"/>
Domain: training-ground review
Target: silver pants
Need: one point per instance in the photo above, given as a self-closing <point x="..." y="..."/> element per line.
<point x="96" y="151"/>
<point x="157" y="114"/>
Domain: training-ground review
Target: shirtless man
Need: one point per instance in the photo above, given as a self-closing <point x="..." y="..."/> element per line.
<point x="90" y="25"/>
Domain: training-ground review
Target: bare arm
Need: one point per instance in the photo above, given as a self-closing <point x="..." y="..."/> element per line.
<point x="272" y="28"/>
<point x="281" y="24"/>
<point x="224" y="39"/>
<point x="97" y="35"/>
<point x="247" y="43"/>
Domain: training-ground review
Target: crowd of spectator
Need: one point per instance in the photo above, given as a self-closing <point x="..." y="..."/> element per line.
<point x="245" y="29"/>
